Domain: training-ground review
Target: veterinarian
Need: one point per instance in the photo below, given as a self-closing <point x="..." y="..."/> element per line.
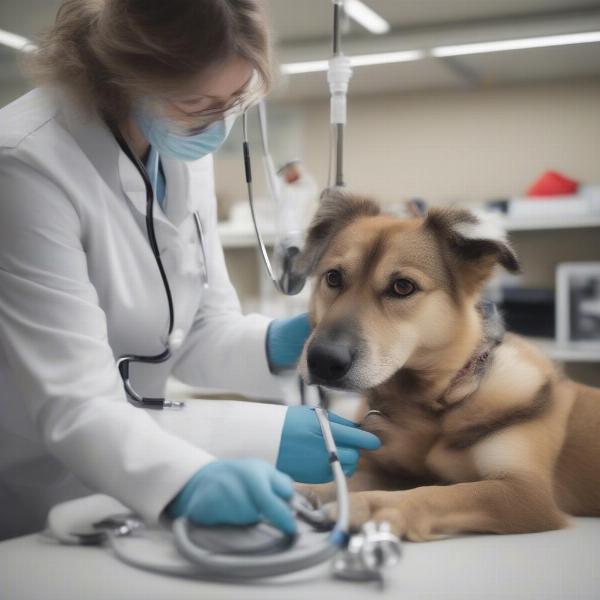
<point x="112" y="278"/>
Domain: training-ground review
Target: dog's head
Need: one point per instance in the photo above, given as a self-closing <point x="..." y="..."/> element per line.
<point x="390" y="292"/>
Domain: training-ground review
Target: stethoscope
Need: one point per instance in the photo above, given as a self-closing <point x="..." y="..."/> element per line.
<point x="366" y="553"/>
<point x="291" y="279"/>
<point x="288" y="283"/>
<point x="124" y="361"/>
<point x="253" y="552"/>
<point x="259" y="551"/>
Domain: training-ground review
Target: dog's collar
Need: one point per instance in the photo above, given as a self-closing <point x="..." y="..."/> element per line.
<point x="467" y="379"/>
<point x="464" y="382"/>
<point x="476" y="363"/>
<point x="373" y="411"/>
<point x="493" y="328"/>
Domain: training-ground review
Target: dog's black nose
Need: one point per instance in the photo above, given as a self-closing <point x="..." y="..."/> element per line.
<point x="329" y="361"/>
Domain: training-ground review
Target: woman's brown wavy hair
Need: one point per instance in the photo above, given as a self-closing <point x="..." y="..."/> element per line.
<point x="108" y="52"/>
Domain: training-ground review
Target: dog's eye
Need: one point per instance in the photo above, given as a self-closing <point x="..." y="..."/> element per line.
<point x="333" y="278"/>
<point x="403" y="287"/>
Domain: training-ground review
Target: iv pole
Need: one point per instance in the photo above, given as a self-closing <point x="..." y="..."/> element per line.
<point x="338" y="77"/>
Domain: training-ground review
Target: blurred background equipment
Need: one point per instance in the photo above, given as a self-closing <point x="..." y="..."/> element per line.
<point x="578" y="305"/>
<point x="528" y="311"/>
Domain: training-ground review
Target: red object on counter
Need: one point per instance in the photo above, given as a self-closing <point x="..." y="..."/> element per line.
<point x="552" y="183"/>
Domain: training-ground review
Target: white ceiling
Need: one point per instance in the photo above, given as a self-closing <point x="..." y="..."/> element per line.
<point x="302" y="30"/>
<point x="299" y="20"/>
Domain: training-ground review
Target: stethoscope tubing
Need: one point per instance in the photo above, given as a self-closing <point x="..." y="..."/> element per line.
<point x="239" y="568"/>
<point x="124" y="361"/>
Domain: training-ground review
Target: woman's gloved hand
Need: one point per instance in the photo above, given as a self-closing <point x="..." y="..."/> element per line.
<point x="285" y="340"/>
<point x="236" y="492"/>
<point x="302" y="452"/>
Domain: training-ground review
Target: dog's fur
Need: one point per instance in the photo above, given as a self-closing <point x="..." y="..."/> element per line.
<point x="480" y="433"/>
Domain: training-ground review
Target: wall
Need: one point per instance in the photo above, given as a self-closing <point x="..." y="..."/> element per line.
<point x="454" y="146"/>
<point x="449" y="146"/>
<point x="465" y="146"/>
<point x="11" y="89"/>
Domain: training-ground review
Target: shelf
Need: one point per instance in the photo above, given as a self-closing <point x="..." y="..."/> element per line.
<point x="578" y="222"/>
<point x="235" y="236"/>
<point x="568" y="353"/>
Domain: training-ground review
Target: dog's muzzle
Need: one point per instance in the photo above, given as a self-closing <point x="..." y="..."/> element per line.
<point x="330" y="356"/>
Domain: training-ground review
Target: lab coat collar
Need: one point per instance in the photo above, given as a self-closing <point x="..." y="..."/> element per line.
<point x="184" y="181"/>
<point x="91" y="135"/>
<point x="179" y="200"/>
<point x="133" y="185"/>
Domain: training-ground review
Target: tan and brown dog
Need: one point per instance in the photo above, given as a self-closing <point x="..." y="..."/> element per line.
<point x="480" y="432"/>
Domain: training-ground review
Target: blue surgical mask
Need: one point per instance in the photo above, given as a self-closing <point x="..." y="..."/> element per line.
<point x="162" y="136"/>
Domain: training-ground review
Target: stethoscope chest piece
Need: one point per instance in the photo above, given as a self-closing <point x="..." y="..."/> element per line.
<point x="253" y="540"/>
<point x="370" y="551"/>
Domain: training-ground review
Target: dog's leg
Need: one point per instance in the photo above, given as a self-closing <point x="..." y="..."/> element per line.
<point x="317" y="492"/>
<point x="507" y="486"/>
<point x="508" y="505"/>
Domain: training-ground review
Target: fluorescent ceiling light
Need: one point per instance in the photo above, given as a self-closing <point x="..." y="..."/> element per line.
<point x="18" y="42"/>
<point x="360" y="60"/>
<point x="366" y="17"/>
<point x="454" y="50"/>
<point x="309" y="66"/>
<point x="518" y="44"/>
<point x="385" y="58"/>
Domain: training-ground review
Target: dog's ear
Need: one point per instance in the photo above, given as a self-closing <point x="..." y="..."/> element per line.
<point x="476" y="243"/>
<point x="337" y="209"/>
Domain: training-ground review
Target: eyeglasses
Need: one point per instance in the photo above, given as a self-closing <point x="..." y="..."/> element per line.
<point x="189" y="123"/>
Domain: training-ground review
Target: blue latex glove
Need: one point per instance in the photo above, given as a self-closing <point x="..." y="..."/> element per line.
<point x="302" y="452"/>
<point x="236" y="492"/>
<point x="285" y="340"/>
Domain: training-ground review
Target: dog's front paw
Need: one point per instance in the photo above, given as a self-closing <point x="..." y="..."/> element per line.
<point x="409" y="519"/>
<point x="364" y="507"/>
<point x="317" y="493"/>
<point x="406" y="518"/>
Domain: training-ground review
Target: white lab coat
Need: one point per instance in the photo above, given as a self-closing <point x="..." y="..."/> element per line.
<point x="79" y="287"/>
